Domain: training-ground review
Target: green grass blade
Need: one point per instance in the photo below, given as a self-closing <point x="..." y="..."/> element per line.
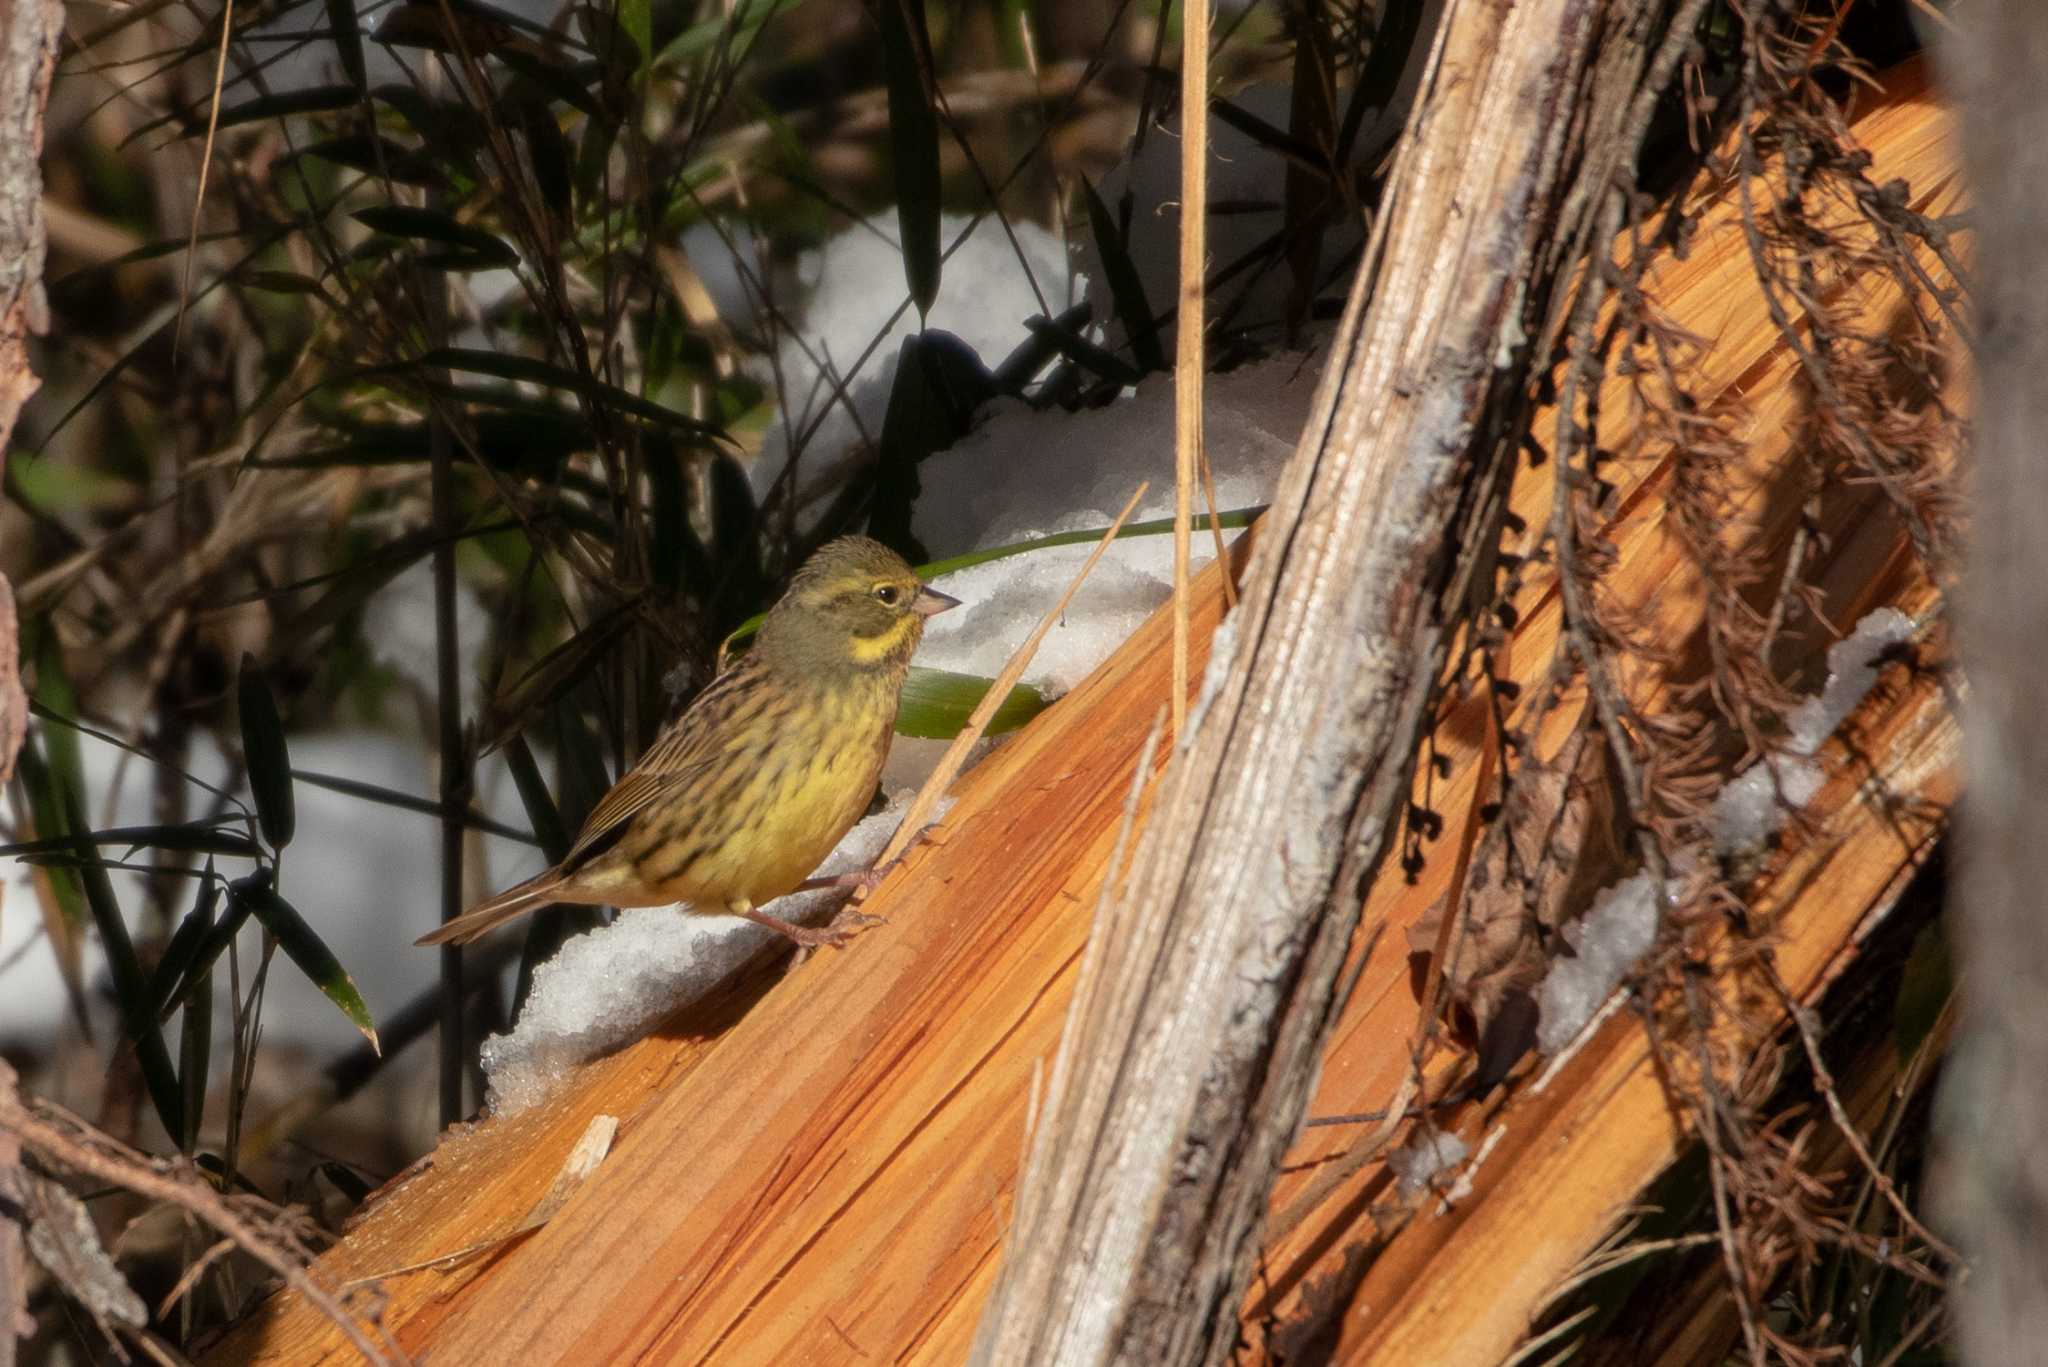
<point x="1235" y="517"/>
<point x="64" y="913"/>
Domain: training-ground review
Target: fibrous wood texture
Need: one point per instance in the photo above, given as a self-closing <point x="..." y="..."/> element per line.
<point x="29" y="32"/>
<point x="830" y="1179"/>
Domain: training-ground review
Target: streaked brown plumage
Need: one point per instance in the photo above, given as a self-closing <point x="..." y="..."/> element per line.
<point x="743" y="794"/>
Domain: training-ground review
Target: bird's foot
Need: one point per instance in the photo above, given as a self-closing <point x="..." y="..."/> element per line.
<point x="864" y="881"/>
<point x="833" y="934"/>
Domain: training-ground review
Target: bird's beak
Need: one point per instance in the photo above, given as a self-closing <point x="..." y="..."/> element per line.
<point x="930" y="602"/>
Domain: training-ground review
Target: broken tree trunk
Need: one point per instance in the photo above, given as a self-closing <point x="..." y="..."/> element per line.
<point x="1193" y="1045"/>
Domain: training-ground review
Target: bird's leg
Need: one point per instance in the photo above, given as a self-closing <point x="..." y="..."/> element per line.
<point x="835" y="934"/>
<point x="864" y="881"/>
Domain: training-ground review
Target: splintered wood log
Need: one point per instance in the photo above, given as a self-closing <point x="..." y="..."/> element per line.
<point x="1564" y="1158"/>
<point x="821" y="1167"/>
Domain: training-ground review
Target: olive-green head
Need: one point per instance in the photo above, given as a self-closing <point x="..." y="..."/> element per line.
<point x="854" y="604"/>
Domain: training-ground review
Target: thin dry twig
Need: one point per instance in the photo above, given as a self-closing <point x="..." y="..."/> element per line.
<point x="13" y="701"/>
<point x="927" y="799"/>
<point x="220" y="71"/>
<point x="63" y="1139"/>
<point x="1189" y="454"/>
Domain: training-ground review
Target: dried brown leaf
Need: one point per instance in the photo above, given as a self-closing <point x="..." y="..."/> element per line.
<point x="1557" y="840"/>
<point x="64" y="1240"/>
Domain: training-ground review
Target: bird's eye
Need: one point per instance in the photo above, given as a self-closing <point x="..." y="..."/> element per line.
<point x="888" y="594"/>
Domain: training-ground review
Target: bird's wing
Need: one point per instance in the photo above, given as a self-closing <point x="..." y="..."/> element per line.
<point x="678" y="756"/>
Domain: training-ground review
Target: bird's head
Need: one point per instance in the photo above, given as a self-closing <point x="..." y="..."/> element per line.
<point x="854" y="604"/>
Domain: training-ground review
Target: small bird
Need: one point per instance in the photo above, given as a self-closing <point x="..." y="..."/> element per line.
<point x="743" y="794"/>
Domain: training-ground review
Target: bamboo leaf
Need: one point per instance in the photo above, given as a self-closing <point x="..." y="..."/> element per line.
<point x="569" y="84"/>
<point x="481" y="30"/>
<point x="1236" y="517"/>
<point x="531" y="371"/>
<point x="195" y="1025"/>
<point x="547" y="153"/>
<point x="213" y="943"/>
<point x="937" y="702"/>
<point x="281" y="282"/>
<point x="1097" y="359"/>
<point x="311" y="955"/>
<point x="940" y="381"/>
<point x="391" y="797"/>
<point x="1022" y="365"/>
<point x="183" y="951"/>
<point x="195" y="1050"/>
<point x="469" y="248"/>
<point x="381" y="157"/>
<point x="270" y="763"/>
<point x="914" y="144"/>
<point x="554" y="837"/>
<point x="637" y="20"/>
<point x="132" y="992"/>
<point x="1126" y="288"/>
<point x="551" y="925"/>
<point x="317" y="99"/>
<point x="740" y="21"/>
<point x="348" y="41"/>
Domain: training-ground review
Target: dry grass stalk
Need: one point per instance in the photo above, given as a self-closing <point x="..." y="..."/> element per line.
<point x="948" y="767"/>
<point x="1188" y="455"/>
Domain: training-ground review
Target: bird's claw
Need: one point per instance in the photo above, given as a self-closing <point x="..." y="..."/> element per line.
<point x="834" y="934"/>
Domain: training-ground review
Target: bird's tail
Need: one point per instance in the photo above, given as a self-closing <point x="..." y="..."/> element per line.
<point x="493" y="912"/>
